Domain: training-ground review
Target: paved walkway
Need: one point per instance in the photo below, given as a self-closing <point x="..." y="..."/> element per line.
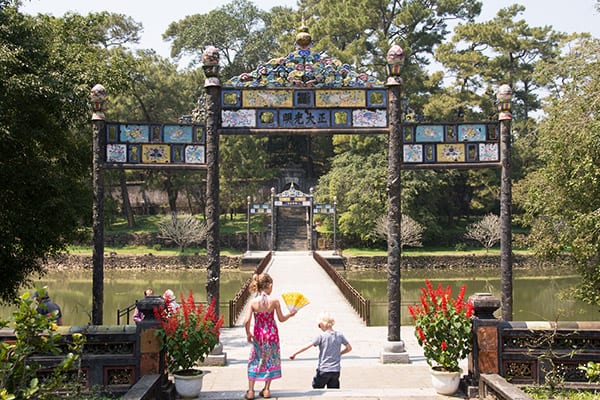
<point x="363" y="376"/>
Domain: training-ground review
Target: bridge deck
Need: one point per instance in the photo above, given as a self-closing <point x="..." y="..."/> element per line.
<point x="363" y="375"/>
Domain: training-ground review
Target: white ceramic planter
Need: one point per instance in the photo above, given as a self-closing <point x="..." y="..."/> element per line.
<point x="188" y="386"/>
<point x="445" y="382"/>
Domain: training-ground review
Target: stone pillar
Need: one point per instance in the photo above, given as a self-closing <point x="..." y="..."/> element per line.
<point x="503" y="104"/>
<point x="212" y="86"/>
<point x="484" y="357"/>
<point x="393" y="349"/>
<point x="98" y="101"/>
<point x="151" y="359"/>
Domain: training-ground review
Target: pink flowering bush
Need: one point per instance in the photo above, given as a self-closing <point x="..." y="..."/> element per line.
<point x="443" y="326"/>
<point x="189" y="333"/>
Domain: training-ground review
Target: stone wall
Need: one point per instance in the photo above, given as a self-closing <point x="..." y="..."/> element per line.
<point x="448" y="262"/>
<point x="149" y="261"/>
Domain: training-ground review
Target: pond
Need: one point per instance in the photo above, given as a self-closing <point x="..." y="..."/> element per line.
<point x="536" y="292"/>
<point x="72" y="290"/>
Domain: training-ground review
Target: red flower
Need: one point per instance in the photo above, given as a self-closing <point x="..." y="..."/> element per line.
<point x="443" y="325"/>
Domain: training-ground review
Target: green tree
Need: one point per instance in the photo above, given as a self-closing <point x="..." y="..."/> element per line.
<point x="561" y="200"/>
<point x="503" y="50"/>
<point x="237" y="29"/>
<point x="47" y="67"/>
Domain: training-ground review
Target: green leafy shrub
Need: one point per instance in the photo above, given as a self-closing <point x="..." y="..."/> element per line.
<point x="35" y="334"/>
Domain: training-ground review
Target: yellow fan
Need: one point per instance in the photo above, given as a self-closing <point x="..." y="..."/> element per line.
<point x="294" y="300"/>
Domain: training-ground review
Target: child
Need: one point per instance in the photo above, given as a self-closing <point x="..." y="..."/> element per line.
<point x="330" y="343"/>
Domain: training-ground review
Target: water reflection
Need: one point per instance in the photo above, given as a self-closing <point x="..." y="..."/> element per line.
<point x="537" y="295"/>
<point x="72" y="290"/>
<point x="536" y="292"/>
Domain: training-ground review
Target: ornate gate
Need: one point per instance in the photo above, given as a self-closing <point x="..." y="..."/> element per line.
<point x="307" y="93"/>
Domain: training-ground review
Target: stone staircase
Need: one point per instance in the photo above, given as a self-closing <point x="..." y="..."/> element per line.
<point x="291" y="229"/>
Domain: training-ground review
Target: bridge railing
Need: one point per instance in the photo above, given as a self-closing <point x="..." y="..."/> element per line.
<point x="241" y="297"/>
<point x="356" y="300"/>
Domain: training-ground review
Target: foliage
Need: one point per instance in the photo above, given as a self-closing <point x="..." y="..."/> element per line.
<point x="443" y="326"/>
<point x="188" y="334"/>
<point x="36" y="334"/>
<point x="411" y="232"/>
<point x="237" y="29"/>
<point x="183" y="229"/>
<point x="485" y="231"/>
<point x="592" y="371"/>
<point x="561" y="199"/>
<point x="47" y="68"/>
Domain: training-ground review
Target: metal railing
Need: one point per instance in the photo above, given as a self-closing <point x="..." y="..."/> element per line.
<point x="356" y="300"/>
<point x="127" y="312"/>
<point x="239" y="300"/>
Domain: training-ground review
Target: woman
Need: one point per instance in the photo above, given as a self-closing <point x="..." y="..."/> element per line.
<point x="265" y="359"/>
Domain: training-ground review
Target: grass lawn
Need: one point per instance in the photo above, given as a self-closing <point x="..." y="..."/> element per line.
<point x="238" y="224"/>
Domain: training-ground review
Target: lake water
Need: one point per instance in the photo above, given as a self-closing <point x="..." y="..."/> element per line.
<point x="538" y="295"/>
<point x="536" y="292"/>
<point x="72" y="290"/>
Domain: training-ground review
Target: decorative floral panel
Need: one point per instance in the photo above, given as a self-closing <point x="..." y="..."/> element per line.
<point x="156" y="153"/>
<point x="267" y="98"/>
<point x="426" y="143"/>
<point x="129" y="144"/>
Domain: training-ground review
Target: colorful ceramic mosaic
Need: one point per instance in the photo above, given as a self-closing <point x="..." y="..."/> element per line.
<point x="155" y="144"/>
<point x="450" y="143"/>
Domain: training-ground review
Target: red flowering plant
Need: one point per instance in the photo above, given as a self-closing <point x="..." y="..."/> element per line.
<point x="188" y="332"/>
<point x="443" y="326"/>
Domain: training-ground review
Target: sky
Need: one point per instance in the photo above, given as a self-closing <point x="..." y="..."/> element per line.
<point x="572" y="16"/>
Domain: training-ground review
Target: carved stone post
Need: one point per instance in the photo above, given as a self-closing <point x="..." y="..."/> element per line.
<point x="98" y="98"/>
<point x="210" y="64"/>
<point x="151" y="358"/>
<point x="393" y="351"/>
<point x="484" y="357"/>
<point x="504" y="97"/>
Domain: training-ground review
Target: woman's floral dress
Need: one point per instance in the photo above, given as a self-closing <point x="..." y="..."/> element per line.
<point x="265" y="359"/>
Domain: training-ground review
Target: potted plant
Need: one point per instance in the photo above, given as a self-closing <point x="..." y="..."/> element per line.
<point x="188" y="334"/>
<point x="443" y="329"/>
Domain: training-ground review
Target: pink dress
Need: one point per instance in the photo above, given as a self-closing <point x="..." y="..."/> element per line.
<point x="265" y="359"/>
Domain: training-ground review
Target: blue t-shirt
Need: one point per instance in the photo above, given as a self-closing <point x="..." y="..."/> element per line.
<point x="330" y="346"/>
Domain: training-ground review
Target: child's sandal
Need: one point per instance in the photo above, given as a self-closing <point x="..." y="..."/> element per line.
<point x="247" y="395"/>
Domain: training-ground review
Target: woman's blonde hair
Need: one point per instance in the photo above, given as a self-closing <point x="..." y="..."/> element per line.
<point x="260" y="282"/>
<point x="326" y="319"/>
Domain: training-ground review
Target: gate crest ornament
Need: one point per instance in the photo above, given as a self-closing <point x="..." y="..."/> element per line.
<point x="304" y="68"/>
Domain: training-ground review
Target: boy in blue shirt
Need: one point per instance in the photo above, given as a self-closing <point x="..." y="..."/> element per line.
<point x="330" y="345"/>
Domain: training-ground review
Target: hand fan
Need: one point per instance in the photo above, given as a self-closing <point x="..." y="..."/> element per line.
<point x="294" y="300"/>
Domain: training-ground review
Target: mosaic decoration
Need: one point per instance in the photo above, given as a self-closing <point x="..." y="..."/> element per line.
<point x="238" y="118"/>
<point x="292" y="198"/>
<point x="451" y="152"/>
<point x="195" y="154"/>
<point x="341" y="98"/>
<point x="412" y="153"/>
<point x="306" y="89"/>
<point x="130" y="144"/>
<point x="450" y="144"/>
<point x="135" y="133"/>
<point x="260" y="209"/>
<point x="155" y="153"/>
<point x="368" y="118"/>
<point x="323" y="209"/>
<point x="177" y="133"/>
<point x="116" y="153"/>
<point x="267" y="98"/>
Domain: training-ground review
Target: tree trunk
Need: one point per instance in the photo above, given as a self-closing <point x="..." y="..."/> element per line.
<point x="127" y="210"/>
